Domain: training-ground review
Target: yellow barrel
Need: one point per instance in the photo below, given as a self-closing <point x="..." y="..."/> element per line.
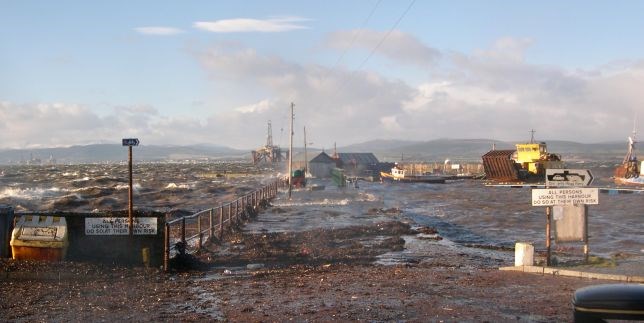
<point x="40" y="238"/>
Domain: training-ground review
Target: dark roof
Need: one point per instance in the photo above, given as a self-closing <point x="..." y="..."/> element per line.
<point x="322" y="158"/>
<point x="358" y="158"/>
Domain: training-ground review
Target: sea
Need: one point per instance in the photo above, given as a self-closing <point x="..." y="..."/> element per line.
<point x="466" y="212"/>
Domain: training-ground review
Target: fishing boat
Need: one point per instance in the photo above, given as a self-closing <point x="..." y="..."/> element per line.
<point x="630" y="172"/>
<point x="399" y="174"/>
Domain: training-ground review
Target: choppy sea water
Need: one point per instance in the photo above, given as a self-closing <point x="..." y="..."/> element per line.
<point x="465" y="212"/>
<point x="185" y="188"/>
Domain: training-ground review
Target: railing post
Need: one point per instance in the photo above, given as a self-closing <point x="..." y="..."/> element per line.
<point x="243" y="206"/>
<point x="166" y="251"/>
<point x="211" y="220"/>
<point x="221" y="222"/>
<point x="183" y="230"/>
<point x="200" y="232"/>
<point x="236" y="212"/>
<point x="230" y="211"/>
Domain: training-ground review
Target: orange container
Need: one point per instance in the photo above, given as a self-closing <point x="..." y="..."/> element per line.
<point x="40" y="238"/>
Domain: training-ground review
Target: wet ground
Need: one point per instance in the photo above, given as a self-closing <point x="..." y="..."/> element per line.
<point x="336" y="254"/>
<point x="276" y="277"/>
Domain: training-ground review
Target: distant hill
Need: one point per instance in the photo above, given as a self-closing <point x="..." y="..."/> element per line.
<point x="473" y="149"/>
<point x="385" y="150"/>
<point x="117" y="153"/>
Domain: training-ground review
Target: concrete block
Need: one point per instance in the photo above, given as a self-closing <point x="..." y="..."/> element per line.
<point x="523" y="254"/>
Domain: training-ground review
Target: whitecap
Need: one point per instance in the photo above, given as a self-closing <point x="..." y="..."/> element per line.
<point x="173" y="186"/>
<point x="135" y="186"/>
<point x="29" y="193"/>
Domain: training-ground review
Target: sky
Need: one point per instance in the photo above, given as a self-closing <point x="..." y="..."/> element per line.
<point x="217" y="72"/>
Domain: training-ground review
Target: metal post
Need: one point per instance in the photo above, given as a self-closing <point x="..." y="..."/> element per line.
<point x="199" y="231"/>
<point x="586" y="245"/>
<point x="221" y="222"/>
<point x="183" y="229"/>
<point x="166" y="251"/>
<point x="230" y="211"/>
<point x="306" y="159"/>
<point x="548" y="220"/>
<point x="290" y="155"/>
<point x="236" y="213"/>
<point x="211" y="216"/>
<point x="130" y="208"/>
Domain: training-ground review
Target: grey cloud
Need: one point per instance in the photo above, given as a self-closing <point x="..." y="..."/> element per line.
<point x="484" y="96"/>
<point x="399" y="46"/>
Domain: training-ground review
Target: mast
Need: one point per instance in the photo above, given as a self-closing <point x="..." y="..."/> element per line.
<point x="290" y="155"/>
<point x="269" y="135"/>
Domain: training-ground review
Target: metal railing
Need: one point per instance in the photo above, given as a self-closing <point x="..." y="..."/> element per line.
<point x="188" y="233"/>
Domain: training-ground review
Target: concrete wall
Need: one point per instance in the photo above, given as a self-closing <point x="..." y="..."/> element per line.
<point x="107" y="246"/>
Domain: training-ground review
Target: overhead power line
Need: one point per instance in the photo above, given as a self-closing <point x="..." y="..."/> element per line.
<point x="382" y="40"/>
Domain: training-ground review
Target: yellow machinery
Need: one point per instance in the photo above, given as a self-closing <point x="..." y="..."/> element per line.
<point x="528" y="162"/>
<point x="534" y="158"/>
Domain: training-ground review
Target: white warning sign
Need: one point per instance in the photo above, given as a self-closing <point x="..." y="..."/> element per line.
<point x="565" y="196"/>
<point x="120" y="226"/>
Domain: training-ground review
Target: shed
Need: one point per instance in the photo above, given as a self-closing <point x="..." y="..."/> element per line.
<point x="321" y="165"/>
<point x="356" y="164"/>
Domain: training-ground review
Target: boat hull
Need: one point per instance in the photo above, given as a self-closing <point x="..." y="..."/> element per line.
<point x="413" y="179"/>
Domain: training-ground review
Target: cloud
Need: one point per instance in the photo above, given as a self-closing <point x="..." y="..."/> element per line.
<point x="489" y="93"/>
<point x="252" y="25"/>
<point x="398" y="46"/>
<point x="506" y="49"/>
<point x="158" y="31"/>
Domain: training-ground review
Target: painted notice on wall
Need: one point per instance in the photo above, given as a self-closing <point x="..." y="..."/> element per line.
<point x="120" y="226"/>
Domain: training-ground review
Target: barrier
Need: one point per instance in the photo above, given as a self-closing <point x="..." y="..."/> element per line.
<point x="188" y="233"/>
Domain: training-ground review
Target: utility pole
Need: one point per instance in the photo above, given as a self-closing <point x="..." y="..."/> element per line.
<point x="306" y="159"/>
<point x="290" y="154"/>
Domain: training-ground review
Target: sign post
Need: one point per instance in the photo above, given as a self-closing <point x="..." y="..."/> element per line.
<point x="130" y="142"/>
<point x="568" y="177"/>
<point x="566" y="187"/>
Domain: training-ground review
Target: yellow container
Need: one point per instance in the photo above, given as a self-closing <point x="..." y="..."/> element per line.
<point x="40" y="238"/>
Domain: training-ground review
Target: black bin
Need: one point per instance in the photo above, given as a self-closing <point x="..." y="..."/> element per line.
<point x="610" y="301"/>
<point x="6" y="227"/>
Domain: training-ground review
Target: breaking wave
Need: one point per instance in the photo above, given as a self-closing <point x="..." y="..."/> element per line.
<point x="29" y="193"/>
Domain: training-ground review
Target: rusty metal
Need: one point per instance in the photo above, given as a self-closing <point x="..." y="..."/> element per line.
<point x="269" y="153"/>
<point x="498" y="165"/>
<point x="130" y="207"/>
<point x="548" y="239"/>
